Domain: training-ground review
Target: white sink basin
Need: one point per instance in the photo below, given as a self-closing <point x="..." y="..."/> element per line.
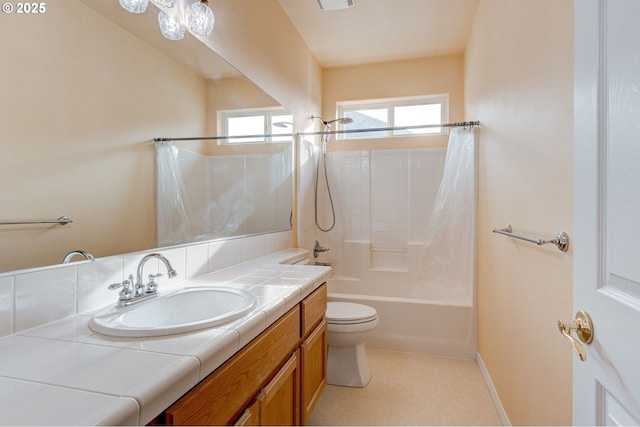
<point x="185" y="310"/>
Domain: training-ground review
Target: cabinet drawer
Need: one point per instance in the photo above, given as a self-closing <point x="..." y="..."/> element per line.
<point x="220" y="398"/>
<point x="314" y="308"/>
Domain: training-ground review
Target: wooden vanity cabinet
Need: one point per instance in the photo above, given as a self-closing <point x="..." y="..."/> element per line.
<point x="313" y="350"/>
<point x="280" y="399"/>
<point x="278" y="404"/>
<point x="276" y="379"/>
<point x="250" y="416"/>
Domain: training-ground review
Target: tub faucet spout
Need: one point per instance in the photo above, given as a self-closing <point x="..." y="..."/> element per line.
<point x="317" y="249"/>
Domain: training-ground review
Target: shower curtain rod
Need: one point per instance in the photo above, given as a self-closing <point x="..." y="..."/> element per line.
<point x="394" y="128"/>
<point x="331" y="132"/>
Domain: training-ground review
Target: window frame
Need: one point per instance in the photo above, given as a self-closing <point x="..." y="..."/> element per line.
<point x="268" y="115"/>
<point x="343" y="108"/>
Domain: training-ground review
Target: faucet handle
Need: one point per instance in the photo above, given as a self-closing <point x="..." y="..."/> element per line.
<point x="126" y="291"/>
<point x="152" y="286"/>
<point x="123" y="284"/>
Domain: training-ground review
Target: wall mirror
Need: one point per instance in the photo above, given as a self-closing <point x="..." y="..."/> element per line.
<point x="87" y="87"/>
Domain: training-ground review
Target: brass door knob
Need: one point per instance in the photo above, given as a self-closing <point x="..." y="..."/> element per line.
<point x="583" y="326"/>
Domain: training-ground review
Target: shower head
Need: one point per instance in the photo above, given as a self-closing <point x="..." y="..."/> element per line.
<point x="341" y="120"/>
<point x="282" y="124"/>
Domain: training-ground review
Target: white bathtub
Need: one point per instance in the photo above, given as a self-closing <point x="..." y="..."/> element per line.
<point x="444" y="326"/>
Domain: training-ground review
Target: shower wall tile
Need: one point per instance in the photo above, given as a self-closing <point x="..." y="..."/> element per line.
<point x="306" y="179"/>
<point x="194" y="168"/>
<point x="226" y="194"/>
<point x="260" y="193"/>
<point x="383" y="199"/>
<point x="389" y="198"/>
<point x="352" y="258"/>
<point x="352" y="199"/>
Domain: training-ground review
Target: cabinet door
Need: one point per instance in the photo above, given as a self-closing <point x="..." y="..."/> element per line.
<point x="314" y="368"/>
<point x="250" y="416"/>
<point x="280" y="399"/>
<point x="222" y="397"/>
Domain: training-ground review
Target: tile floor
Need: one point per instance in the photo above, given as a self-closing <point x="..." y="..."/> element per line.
<point x="410" y="389"/>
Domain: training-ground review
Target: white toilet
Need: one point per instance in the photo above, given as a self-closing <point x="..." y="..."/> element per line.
<point x="349" y="325"/>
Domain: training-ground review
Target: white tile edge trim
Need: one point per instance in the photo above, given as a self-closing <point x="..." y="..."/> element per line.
<point x="504" y="419"/>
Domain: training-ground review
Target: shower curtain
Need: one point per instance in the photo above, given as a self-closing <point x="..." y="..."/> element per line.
<point x="199" y="197"/>
<point x="448" y="255"/>
<point x="173" y="224"/>
<point x="203" y="197"/>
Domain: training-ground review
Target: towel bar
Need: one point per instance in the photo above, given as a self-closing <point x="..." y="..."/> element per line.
<point x="561" y="240"/>
<point x="63" y="220"/>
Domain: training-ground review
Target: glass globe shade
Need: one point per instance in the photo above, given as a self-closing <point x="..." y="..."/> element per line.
<point x="134" y="6"/>
<point x="200" y="18"/>
<point x="165" y="3"/>
<point x="169" y="27"/>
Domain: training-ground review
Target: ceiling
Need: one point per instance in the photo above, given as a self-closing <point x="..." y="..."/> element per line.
<point x="382" y="30"/>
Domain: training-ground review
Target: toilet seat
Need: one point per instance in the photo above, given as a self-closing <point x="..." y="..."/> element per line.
<point x="348" y="313"/>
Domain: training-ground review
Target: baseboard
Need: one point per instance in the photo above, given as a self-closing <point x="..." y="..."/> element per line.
<point x="504" y="419"/>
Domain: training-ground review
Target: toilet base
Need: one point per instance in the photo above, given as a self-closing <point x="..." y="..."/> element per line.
<point x="347" y="366"/>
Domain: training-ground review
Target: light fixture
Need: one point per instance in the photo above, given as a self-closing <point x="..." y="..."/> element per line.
<point x="165" y="3"/>
<point x="200" y="18"/>
<point x="169" y="27"/>
<point x="134" y="6"/>
<point x="335" y="4"/>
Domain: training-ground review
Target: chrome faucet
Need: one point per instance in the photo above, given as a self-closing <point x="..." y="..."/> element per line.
<point x="86" y="255"/>
<point x="170" y="271"/>
<point x="134" y="292"/>
<point x="317" y="249"/>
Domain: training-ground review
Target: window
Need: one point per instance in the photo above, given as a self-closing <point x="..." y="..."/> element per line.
<point x="256" y="123"/>
<point x="397" y="112"/>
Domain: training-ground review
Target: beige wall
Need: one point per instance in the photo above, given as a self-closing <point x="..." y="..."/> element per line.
<point x="257" y="38"/>
<point x="519" y="84"/>
<point x="425" y="76"/>
<point x="81" y="100"/>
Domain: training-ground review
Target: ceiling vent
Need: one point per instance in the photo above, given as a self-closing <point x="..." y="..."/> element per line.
<point x="335" y="4"/>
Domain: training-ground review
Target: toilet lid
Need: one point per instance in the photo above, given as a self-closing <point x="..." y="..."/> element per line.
<point x="349" y="312"/>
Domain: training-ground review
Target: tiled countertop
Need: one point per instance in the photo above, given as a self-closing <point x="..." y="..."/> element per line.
<point x="63" y="373"/>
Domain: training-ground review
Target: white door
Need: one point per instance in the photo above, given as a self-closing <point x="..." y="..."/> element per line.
<point x="606" y="387"/>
